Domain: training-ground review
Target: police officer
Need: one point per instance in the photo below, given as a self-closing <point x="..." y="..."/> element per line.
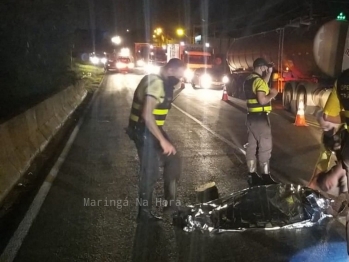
<point x="151" y="104"/>
<point x="337" y="101"/>
<point x="258" y="98"/>
<point x="329" y="174"/>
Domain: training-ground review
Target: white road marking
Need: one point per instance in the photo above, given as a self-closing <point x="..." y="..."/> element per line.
<point x="231" y="144"/>
<point x="15" y="243"/>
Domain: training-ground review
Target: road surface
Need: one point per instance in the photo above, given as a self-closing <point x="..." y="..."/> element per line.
<point x="89" y="211"/>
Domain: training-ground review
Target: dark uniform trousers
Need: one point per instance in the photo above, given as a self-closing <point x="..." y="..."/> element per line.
<point x="345" y="153"/>
<point x="150" y="152"/>
<point x="259" y="141"/>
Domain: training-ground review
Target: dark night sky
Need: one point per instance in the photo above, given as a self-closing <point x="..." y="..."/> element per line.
<point x="234" y="17"/>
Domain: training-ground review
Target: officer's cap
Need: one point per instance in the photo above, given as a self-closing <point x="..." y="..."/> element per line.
<point x="261" y="62"/>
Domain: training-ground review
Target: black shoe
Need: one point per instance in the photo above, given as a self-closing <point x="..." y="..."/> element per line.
<point x="147" y="216"/>
<point x="254" y="180"/>
<point x="268" y="180"/>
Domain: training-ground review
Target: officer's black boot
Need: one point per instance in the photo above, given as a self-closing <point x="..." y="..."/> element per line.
<point x="268" y="180"/>
<point x="266" y="177"/>
<point x="144" y="211"/>
<point x="253" y="179"/>
<point x="170" y="196"/>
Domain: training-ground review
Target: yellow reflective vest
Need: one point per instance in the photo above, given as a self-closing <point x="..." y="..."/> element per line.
<point x="252" y="84"/>
<point x="165" y="96"/>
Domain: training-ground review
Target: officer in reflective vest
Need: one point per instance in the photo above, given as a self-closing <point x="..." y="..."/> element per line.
<point x="337" y="106"/>
<point x="151" y="104"/>
<point x="258" y="98"/>
<point x="329" y="174"/>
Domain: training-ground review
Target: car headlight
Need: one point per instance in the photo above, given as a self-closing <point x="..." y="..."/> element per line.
<point x="94" y="60"/>
<point x="225" y="79"/>
<point x="205" y="80"/>
<point x="188" y="74"/>
<point x="119" y="65"/>
<point x="131" y="65"/>
<point x="103" y="60"/>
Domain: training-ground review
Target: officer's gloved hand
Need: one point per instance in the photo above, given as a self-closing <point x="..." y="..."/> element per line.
<point x="331" y="140"/>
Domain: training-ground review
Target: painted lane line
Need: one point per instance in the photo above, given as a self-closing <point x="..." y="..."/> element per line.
<point x="15" y="243"/>
<point x="231" y="144"/>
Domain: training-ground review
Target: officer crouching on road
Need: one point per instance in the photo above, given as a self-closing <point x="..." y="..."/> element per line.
<point x="329" y="174"/>
<point x="337" y="106"/>
<point x="258" y="98"/>
<point x="151" y="103"/>
<point x="336" y="103"/>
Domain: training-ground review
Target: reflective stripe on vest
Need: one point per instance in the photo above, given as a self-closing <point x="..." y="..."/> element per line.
<point x="160" y="114"/>
<point x="253" y="106"/>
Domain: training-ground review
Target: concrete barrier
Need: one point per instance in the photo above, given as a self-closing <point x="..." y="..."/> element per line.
<point x="9" y="162"/>
<point x="24" y="136"/>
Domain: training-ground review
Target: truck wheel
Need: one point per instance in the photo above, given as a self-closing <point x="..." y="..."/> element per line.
<point x="286" y="99"/>
<point x="233" y="89"/>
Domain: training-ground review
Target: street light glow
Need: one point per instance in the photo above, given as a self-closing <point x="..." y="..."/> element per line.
<point x="158" y="31"/>
<point x="180" y="32"/>
<point x="116" y="40"/>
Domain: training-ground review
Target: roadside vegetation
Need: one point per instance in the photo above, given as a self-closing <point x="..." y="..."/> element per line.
<point x="91" y="75"/>
<point x="37" y="52"/>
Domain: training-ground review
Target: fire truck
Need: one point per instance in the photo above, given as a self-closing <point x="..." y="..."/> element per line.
<point x="195" y="56"/>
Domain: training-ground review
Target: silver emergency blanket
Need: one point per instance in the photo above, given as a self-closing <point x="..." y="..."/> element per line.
<point x="268" y="207"/>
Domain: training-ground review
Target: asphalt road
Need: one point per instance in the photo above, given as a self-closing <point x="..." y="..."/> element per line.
<point x="90" y="210"/>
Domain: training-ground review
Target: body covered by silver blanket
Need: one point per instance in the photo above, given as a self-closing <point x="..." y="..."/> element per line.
<point x="272" y="206"/>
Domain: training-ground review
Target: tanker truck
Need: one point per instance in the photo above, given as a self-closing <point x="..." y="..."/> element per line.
<point x="308" y="57"/>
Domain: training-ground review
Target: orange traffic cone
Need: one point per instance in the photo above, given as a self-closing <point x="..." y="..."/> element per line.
<point x="225" y="94"/>
<point x="300" y="118"/>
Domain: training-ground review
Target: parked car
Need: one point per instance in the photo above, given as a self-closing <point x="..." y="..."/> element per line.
<point x="209" y="78"/>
